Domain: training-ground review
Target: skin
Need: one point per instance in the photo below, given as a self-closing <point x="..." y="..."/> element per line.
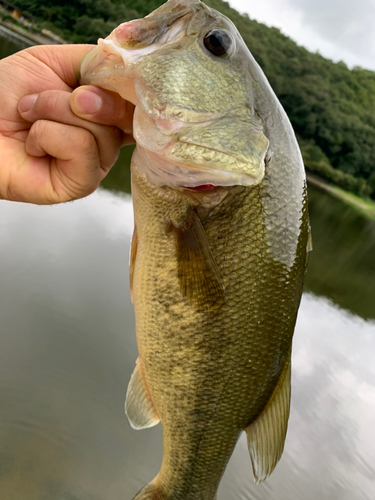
<point x="56" y="143"/>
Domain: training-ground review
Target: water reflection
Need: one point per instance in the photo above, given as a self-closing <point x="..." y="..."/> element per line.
<point x="342" y="264"/>
<point x="67" y="352"/>
<point x="10" y="42"/>
<point x="68" y="349"/>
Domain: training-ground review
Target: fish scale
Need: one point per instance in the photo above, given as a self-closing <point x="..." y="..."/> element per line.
<point x="220" y="244"/>
<point x="231" y="335"/>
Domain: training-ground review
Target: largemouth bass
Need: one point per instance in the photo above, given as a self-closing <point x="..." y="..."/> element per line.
<point x="219" y="249"/>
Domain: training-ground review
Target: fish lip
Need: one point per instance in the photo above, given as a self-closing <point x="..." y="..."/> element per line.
<point x="106" y="66"/>
<point x="96" y="64"/>
<point x="112" y="47"/>
<point x="163" y="171"/>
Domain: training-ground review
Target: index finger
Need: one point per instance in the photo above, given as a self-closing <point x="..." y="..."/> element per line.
<point x="63" y="60"/>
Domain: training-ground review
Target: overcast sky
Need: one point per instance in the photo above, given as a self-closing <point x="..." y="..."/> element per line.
<point x="338" y="29"/>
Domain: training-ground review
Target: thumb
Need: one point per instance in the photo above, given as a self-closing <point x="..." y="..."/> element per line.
<point x="105" y="107"/>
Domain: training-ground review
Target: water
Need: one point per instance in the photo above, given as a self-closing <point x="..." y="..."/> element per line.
<point x="10" y="42"/>
<point x="68" y="349"/>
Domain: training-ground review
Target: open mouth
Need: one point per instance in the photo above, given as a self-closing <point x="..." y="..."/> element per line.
<point x="203" y="187"/>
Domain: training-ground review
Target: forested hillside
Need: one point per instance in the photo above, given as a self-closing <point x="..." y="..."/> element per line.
<point x="331" y="107"/>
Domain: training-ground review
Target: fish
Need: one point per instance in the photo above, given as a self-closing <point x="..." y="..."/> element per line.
<point x="220" y="244"/>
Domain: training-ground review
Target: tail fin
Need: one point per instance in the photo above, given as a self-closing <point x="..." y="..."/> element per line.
<point x="150" y="492"/>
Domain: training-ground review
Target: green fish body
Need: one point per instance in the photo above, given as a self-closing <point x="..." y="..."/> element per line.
<point x="220" y="243"/>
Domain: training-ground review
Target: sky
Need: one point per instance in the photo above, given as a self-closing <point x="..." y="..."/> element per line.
<point x="338" y="29"/>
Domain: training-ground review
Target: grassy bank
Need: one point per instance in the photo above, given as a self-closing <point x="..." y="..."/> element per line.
<point x="33" y="32"/>
<point x="366" y="207"/>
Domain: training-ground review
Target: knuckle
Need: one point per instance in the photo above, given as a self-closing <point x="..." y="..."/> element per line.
<point x="38" y="129"/>
<point x="115" y="134"/>
<point x="86" y="141"/>
<point x="52" y="103"/>
<point x="73" y="190"/>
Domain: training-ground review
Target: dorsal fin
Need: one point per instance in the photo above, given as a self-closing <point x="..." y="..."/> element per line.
<point x="266" y="435"/>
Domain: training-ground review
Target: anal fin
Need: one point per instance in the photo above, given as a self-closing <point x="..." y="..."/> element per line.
<point x="266" y="435"/>
<point x="138" y="405"/>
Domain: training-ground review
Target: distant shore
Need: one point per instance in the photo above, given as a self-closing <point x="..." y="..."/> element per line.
<point x="366" y="207"/>
<point x="34" y="38"/>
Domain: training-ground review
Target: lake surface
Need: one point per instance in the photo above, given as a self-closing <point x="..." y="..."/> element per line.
<point x="67" y="350"/>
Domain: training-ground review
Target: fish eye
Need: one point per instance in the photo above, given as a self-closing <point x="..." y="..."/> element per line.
<point x="218" y="42"/>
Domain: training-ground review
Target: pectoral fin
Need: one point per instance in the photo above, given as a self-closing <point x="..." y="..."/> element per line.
<point x="198" y="273"/>
<point x="266" y="435"/>
<point x="138" y="405"/>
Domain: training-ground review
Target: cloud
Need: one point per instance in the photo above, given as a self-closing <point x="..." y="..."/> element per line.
<point x="346" y="24"/>
<point x="338" y="29"/>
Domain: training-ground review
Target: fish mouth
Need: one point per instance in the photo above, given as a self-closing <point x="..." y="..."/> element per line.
<point x="204" y="187"/>
<point x="112" y="62"/>
<point x="105" y="67"/>
<point x="162" y="169"/>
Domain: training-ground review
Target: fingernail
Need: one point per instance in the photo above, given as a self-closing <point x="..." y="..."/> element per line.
<point x="88" y="102"/>
<point x="27" y="102"/>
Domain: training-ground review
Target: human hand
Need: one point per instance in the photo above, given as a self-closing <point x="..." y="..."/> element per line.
<point x="47" y="153"/>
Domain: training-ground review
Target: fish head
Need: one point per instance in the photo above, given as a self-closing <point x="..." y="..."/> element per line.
<point x="185" y="67"/>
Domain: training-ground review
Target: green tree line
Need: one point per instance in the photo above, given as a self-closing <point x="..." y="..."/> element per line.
<point x="331" y="107"/>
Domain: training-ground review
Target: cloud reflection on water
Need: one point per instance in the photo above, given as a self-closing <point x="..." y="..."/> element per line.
<point x="330" y="447"/>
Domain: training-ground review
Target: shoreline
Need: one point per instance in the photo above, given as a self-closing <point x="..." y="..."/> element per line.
<point x="34" y="38"/>
<point x="366" y="208"/>
<point x="15" y="35"/>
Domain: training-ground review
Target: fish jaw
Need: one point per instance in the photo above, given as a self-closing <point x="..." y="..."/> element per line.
<point x="182" y="146"/>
